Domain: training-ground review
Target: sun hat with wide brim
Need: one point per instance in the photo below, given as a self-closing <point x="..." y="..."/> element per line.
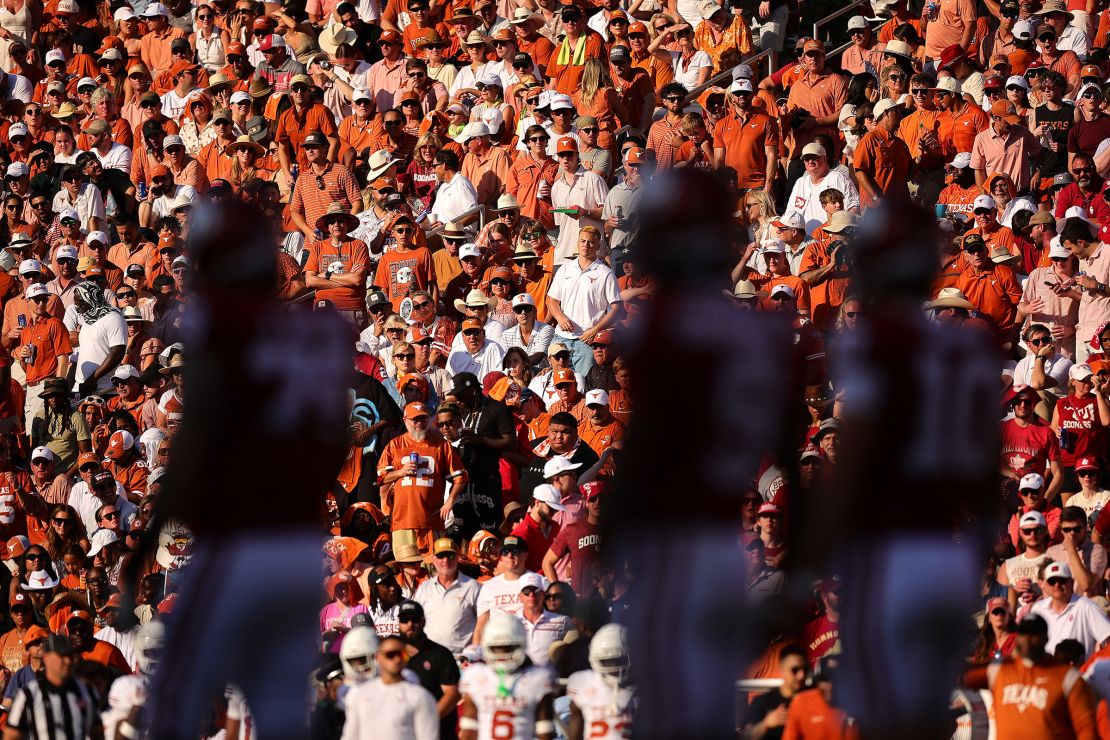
<point x="246" y="142"/>
<point x="950" y="298"/>
<point x="336" y="212"/>
<point x="474" y="299"/>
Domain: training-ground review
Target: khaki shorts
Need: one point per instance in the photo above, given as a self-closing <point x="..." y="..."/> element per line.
<point x="422" y="538"/>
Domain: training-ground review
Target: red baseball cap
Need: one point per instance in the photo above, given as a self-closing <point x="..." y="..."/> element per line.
<point x="768" y="510"/>
<point x="271" y="41"/>
<point x="1086" y="463"/>
<point x="566" y="144"/>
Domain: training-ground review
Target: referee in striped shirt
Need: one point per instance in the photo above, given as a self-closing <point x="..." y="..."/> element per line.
<point x="55" y="705"/>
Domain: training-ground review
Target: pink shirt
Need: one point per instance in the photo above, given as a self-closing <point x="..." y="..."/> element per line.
<point x="1094" y="309"/>
<point x="1009" y="154"/>
<point x="384" y="79"/>
<point x="948" y="28"/>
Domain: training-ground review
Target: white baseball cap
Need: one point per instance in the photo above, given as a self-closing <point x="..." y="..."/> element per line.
<point x="172" y="140"/>
<point x="490" y="79"/>
<point x="154" y="10"/>
<point x="1017" y="81"/>
<point x="530" y="579"/>
<point x="97" y="236"/>
<point x="18" y="129"/>
<point x="29" y="266"/>
<point x="1032" y="519"/>
<point x="1022" y="30"/>
<point x="124" y="14"/>
<point x="1079" y="371"/>
<point x="472" y="130"/>
<point x="1057" y="570"/>
<point x="360" y="93"/>
<point x="17" y="169"/>
<point x="125" y="372"/>
<point x="774" y="246"/>
<point x="1031" y="481"/>
<point x="783" y="288"/>
<point x="949" y="84"/>
<point x="597" y="397"/>
<point x="1088" y="86"/>
<point x="962" y="160"/>
<point x="741" y="85"/>
<point x="984" y="202"/>
<point x="523" y="299"/>
<point x="792" y="220"/>
<point x="546" y="493"/>
<point x="54" y="55"/>
<point x="101" y="539"/>
<point x="66" y="251"/>
<point x="36" y="290"/>
<point x="112" y="55"/>
<point x="556" y="465"/>
<point x="469" y="250"/>
<point x="561" y="102"/>
<point x="857" y="21"/>
<point x="241" y="97"/>
<point x="43" y="453"/>
<point x="493" y="118"/>
<point x="883" y="106"/>
<point x="1057" y="250"/>
<point x="86" y="82"/>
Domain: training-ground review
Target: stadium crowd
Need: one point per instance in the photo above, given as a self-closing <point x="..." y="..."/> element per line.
<point x="460" y="181"/>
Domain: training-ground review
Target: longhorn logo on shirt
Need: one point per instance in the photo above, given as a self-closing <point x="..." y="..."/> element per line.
<point x="1023" y="696"/>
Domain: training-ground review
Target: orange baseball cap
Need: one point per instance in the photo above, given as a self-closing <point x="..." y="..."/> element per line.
<point x="637" y="27"/>
<point x="417" y="334"/>
<point x="87" y="457"/>
<point x="566" y="144"/>
<point x="565" y="376"/>
<point x="160" y="171"/>
<point x="813" y="45"/>
<point x="415" y="410"/>
<point x="80" y="614"/>
<point x="1091" y="70"/>
<point x="503" y="273"/>
<point x="236" y="48"/>
<point x="389" y="35"/>
<point x="471" y="323"/>
<point x="635" y="155"/>
<point x="33" y="634"/>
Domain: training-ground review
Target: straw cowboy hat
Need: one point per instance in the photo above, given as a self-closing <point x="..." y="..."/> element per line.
<point x="950" y="298"/>
<point x="474" y="299"/>
<point x="336" y="212"/>
<point x="334" y="35"/>
<point x="246" y="142"/>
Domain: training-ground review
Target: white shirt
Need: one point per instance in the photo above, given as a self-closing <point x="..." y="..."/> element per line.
<point x="86" y="505"/>
<point x="1055" y="367"/>
<point x="117" y="158"/>
<point x="89" y="204"/>
<point x="587" y="190"/>
<point x="450" y="612"/>
<point x="94" y="344"/>
<point x="1081" y="620"/>
<point x="544" y="387"/>
<point x="453" y="199"/>
<point x="399" y="711"/>
<point x="584" y="295"/>
<point x="125" y="641"/>
<point x="688" y="74"/>
<point x="468" y="78"/>
<point x="368" y="10"/>
<point x="173" y="105"/>
<point x="494" y="331"/>
<point x="805" y="198"/>
<point x="483" y="362"/>
<point x="163" y="205"/>
<point x="19" y="87"/>
<point x="1072" y="39"/>
<point x="542" y="334"/>
<point x="502" y="594"/>
<point x="542" y="634"/>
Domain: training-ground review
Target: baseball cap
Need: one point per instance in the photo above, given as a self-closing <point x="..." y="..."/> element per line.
<point x="512" y="542"/>
<point x="547" y="494"/>
<point x="561" y="102"/>
<point x="409" y="610"/>
<point x="1057" y="570"/>
<point x="415" y="410"/>
<point x="1032" y="481"/>
<point x="17" y="169"/>
<point x="792" y="220"/>
<point x="523" y="299"/>
<point x="815" y="149"/>
<point x="1032" y="519"/>
<point x="961" y="160"/>
<point x="555" y="348"/>
<point x="983" y="203"/>
<point x="273" y="41"/>
<point x="66" y="251"/>
<point x="120" y="442"/>
<point x="597" y="397"/>
<point x="741" y="85"/>
<point x="36" y="290"/>
<point x="883" y="106"/>
<point x="783" y="288"/>
<point x="564" y="376"/>
<point x="444" y="544"/>
<point x="60" y="644"/>
<point x="1080" y="371"/>
<point x="43" y="453"/>
<point x="557" y="465"/>
<point x="1017" y="81"/>
<point x="768" y="509"/>
<point x="856" y="22"/>
<point x="53" y="56"/>
<point x="315" y="139"/>
<point x="18" y="129"/>
<point x="949" y="84"/>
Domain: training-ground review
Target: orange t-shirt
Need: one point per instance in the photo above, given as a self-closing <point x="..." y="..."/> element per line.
<point x="354" y="257"/>
<point x="811" y="718"/>
<point x="419" y="262"/>
<point x="51" y="341"/>
<point x="601" y="438"/>
<point x="887" y="159"/>
<point x="417" y="499"/>
<point x="994" y="291"/>
<point x="1041" y="701"/>
<point x="108" y="655"/>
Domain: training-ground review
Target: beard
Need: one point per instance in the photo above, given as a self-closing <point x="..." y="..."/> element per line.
<point x="419" y="435"/>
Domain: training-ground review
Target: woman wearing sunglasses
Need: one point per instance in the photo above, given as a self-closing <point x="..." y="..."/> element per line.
<point x="209" y="40"/>
<point x="64" y="529"/>
<point x="996" y="637"/>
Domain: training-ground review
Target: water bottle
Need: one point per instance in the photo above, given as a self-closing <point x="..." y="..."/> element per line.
<point x="294" y="171"/>
<point x="142" y="190"/>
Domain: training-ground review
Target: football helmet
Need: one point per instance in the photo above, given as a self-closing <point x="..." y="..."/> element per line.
<point x="357" y="653"/>
<point x="503" y="642"/>
<point x="148" y="649"/>
<point x="609" y="653"/>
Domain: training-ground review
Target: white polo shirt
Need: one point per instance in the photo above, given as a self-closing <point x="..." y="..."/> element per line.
<point x="117" y="158"/>
<point x="587" y="190"/>
<point x="583" y="294"/>
<point x="450" y="612"/>
<point x="542" y="633"/>
<point x="1081" y="620"/>
<point x="485" y="361"/>
<point x="453" y="199"/>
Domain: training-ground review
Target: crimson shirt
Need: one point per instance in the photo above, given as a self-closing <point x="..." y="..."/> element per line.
<point x="582" y="541"/>
<point x="528" y="529"/>
<point x="1028" y="450"/>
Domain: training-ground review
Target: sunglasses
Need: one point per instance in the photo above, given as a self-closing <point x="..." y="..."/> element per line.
<point x="471" y="332"/>
<point x="418" y="306"/>
<point x="1058" y="581"/>
<point x="1069" y="530"/>
<point x="32" y="556"/>
<point x="538" y="140"/>
<point x="405" y="355"/>
<point x="998" y="612"/>
<point x="392" y="654"/>
<point x="60" y="519"/>
<point x="392" y="123"/>
<point x="1039" y="342"/>
<point x="402" y="229"/>
<point x="529" y="591"/>
<point x="110" y="515"/>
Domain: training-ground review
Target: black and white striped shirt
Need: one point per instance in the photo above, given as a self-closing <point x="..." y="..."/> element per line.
<point x="42" y="711"/>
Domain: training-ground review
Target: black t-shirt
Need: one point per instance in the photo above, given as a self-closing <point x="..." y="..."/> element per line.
<point x="490" y="419"/>
<point x="532" y="475"/>
<point x="1060" y="121"/>
<point x="436" y="668"/>
<point x="763" y="705"/>
<point x="603" y="377"/>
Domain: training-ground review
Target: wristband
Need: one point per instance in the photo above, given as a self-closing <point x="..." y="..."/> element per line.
<point x="545" y="727"/>
<point x="468" y="723"/>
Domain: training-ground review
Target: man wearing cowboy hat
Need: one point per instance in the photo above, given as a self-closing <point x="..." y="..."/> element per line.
<point x="508" y="213"/>
<point x="477" y="306"/>
<point x="526" y="24"/>
<point x="337" y="265"/>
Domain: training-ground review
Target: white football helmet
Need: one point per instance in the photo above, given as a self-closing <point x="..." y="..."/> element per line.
<point x="357" y="653"/>
<point x="148" y="649"/>
<point x="503" y="642"/>
<point x="405" y="276"/>
<point x="609" y="653"/>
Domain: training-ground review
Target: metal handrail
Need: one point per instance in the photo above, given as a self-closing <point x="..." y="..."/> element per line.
<point x="834" y="15"/>
<point x="727" y="74"/>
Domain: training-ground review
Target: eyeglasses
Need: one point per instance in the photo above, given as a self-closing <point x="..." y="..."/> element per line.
<point x="529" y="591"/>
<point x="674" y="98"/>
<point x="1086" y="474"/>
<point x="998" y="612"/>
<point x="32" y="556"/>
<point x="1069" y="530"/>
<point x="1024" y="402"/>
<point x="1031" y="531"/>
<point x="110" y="515"/>
<point x="1059" y="581"/>
<point x="589" y="130"/>
<point x="538" y="140"/>
<point x="523" y="309"/>
<point x="392" y="123"/>
<point x="1029" y="492"/>
<point x="415" y="306"/>
<point x="402" y="229"/>
<point x="204" y="17"/>
<point x="554" y="596"/>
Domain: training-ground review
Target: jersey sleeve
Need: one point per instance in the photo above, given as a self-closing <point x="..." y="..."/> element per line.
<point x="576" y="686"/>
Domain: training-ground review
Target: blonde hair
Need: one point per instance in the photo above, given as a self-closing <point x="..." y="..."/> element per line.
<point x="429" y="139"/>
<point x="595" y="76"/>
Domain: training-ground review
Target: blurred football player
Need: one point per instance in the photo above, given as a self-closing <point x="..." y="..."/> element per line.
<point x="603" y="698"/>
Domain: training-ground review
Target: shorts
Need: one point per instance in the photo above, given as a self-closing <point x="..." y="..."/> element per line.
<point x="422" y="538"/>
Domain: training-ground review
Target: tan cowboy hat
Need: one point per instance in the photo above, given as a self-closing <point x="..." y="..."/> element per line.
<point x="506" y="202"/>
<point x="524" y="252"/>
<point x="407" y="554"/>
<point x="65" y="110"/>
<point x="218" y="80"/>
<point x="476" y="37"/>
<point x="177" y="361"/>
<point x="334" y="35"/>
<point x="336" y="212"/>
<point x="430" y="39"/>
<point x="474" y="299"/>
<point x="522" y="16"/>
<point x="950" y="298"/>
<point x="379" y="162"/>
<point x="453" y="231"/>
<point x="260" y="88"/>
<point x="246" y="142"/>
